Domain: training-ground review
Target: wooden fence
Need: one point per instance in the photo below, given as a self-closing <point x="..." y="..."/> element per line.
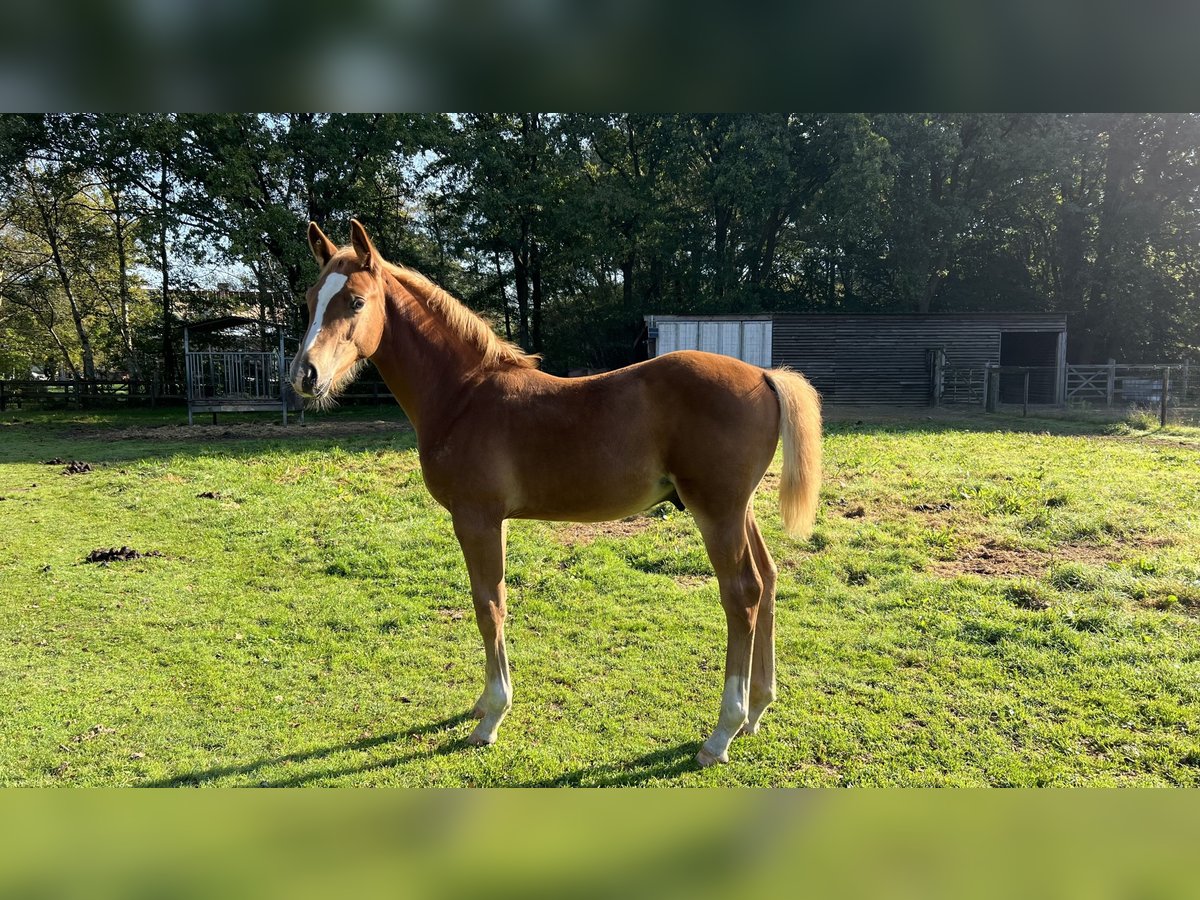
<point x="1170" y="389"/>
<point x="1114" y="384"/>
<point x="80" y="394"/>
<point x="69" y="394"/>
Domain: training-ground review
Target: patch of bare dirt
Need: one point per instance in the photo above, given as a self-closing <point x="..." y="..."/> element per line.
<point x="239" y="431"/>
<point x="586" y="532"/>
<point x="104" y="556"/>
<point x="997" y="561"/>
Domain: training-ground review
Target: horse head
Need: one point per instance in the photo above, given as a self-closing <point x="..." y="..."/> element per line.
<point x="347" y="311"/>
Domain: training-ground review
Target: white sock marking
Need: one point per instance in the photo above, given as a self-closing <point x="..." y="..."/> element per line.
<point x="497" y="698"/>
<point x="733" y="715"/>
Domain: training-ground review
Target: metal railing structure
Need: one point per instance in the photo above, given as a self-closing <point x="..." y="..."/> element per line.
<point x="224" y="375"/>
<point x="238" y="381"/>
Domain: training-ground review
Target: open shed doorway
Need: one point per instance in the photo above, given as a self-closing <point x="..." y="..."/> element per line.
<point x="1038" y="350"/>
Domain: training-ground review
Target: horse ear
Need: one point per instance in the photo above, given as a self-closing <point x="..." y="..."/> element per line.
<point x="367" y="254"/>
<point x="322" y="247"/>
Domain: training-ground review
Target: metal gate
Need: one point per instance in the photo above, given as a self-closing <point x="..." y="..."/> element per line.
<point x="237" y="381"/>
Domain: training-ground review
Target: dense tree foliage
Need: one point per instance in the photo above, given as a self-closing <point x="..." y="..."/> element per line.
<point x="568" y="229"/>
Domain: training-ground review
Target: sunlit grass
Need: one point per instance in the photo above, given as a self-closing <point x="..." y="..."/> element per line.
<point x="975" y="607"/>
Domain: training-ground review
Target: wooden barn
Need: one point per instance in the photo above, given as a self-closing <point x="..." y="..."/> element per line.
<point x="891" y="359"/>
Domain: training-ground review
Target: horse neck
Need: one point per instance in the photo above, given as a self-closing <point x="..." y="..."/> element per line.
<point x="424" y="367"/>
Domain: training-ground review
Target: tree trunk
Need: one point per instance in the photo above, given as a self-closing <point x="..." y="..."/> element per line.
<point x="723" y="215"/>
<point x="535" y="272"/>
<point x="503" y="297"/>
<point x="1100" y="340"/>
<point x="521" y="279"/>
<point x="123" y="284"/>
<point x="168" y="346"/>
<point x="85" y="341"/>
<point x="48" y="322"/>
<point x="64" y="278"/>
<point x="627" y="282"/>
<point x="932" y="285"/>
<point x="1072" y="223"/>
<point x="765" y="262"/>
<point x="66" y="354"/>
<point x="262" y="308"/>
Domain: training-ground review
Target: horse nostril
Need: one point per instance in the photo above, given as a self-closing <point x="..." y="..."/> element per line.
<point x="308" y="376"/>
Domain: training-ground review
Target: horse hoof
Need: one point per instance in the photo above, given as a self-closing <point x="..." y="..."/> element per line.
<point x="481" y="740"/>
<point x="706" y="759"/>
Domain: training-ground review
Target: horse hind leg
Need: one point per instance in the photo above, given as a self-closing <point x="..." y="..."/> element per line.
<point x="741" y="587"/>
<point x="762" y="676"/>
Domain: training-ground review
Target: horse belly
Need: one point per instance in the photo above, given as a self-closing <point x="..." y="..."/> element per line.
<point x="589" y="489"/>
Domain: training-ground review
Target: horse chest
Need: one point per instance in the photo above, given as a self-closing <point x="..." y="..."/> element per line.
<point x="459" y="470"/>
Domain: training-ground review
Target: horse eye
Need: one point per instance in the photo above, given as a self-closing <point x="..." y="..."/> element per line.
<point x="357" y="303"/>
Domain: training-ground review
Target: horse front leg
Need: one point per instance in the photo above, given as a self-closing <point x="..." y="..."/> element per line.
<point x="482" y="542"/>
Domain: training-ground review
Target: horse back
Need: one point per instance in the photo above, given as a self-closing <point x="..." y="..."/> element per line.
<point x="609" y="445"/>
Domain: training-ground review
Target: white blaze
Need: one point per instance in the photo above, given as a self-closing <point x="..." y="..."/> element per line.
<point x="334" y="282"/>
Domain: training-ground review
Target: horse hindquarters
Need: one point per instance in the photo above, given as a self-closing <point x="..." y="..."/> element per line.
<point x="727" y="541"/>
<point x="721" y="500"/>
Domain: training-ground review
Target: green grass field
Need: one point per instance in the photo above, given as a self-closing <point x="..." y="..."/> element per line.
<point x="986" y="601"/>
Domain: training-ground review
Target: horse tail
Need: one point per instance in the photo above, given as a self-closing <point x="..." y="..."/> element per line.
<point x="800" y="428"/>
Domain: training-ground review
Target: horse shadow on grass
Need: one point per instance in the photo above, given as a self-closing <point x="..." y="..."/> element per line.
<point x="208" y="776"/>
<point x="666" y="763"/>
<point x="669" y="762"/>
<point x="659" y="764"/>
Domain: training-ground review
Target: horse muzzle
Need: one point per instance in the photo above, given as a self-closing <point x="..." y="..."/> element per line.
<point x="306" y="382"/>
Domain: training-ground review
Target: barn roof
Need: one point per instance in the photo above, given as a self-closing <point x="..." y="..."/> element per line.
<point x="1047" y="318"/>
<point x="205" y="326"/>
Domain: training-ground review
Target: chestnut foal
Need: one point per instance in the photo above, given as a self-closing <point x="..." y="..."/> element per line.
<point x="499" y="439"/>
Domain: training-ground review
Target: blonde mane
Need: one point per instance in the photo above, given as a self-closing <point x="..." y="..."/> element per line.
<point x="463" y="322"/>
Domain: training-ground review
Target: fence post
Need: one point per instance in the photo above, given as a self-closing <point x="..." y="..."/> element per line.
<point x="283" y="394"/>
<point x="1162" y="409"/>
<point x="937" y="375"/>
<point x="1025" y="402"/>
<point x="993" y="388"/>
<point x="2" y="400"/>
<point x="1186" y="367"/>
<point x="1112" y="379"/>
